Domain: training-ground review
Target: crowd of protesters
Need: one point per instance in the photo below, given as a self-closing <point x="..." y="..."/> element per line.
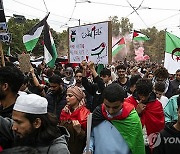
<point x="135" y="109"/>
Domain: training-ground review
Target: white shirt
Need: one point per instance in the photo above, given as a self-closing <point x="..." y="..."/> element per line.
<point x="163" y="101"/>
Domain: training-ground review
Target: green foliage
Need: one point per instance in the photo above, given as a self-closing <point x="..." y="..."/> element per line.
<point x="125" y="25"/>
<point x="155" y="46"/>
<point x="120" y="27"/>
<point x="63" y="43"/>
<point x="115" y="25"/>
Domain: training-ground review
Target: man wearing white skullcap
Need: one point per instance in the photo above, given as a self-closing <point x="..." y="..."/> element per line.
<point x="33" y="126"/>
<point x="31" y="103"/>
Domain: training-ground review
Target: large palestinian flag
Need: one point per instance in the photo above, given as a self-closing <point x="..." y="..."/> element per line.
<point x="50" y="53"/>
<point x="31" y="38"/>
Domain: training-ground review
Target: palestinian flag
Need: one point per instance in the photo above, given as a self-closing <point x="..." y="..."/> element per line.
<point x="50" y="53"/>
<point x="31" y="38"/>
<point x="172" y="53"/>
<point x="118" y="46"/>
<point x="127" y="123"/>
<point x="138" y="36"/>
<point x="131" y="130"/>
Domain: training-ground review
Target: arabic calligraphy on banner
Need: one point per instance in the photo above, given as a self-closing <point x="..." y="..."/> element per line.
<point x="91" y="43"/>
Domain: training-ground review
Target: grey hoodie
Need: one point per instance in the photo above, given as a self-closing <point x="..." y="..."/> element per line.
<point x="58" y="146"/>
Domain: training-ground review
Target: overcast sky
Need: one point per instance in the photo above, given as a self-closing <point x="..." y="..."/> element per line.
<point x="66" y="13"/>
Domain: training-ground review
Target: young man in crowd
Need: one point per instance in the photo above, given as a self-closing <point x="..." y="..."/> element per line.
<point x="159" y="89"/>
<point x="149" y="109"/>
<point x="132" y="85"/>
<point x="56" y="95"/>
<point x="33" y="126"/>
<point x="122" y="79"/>
<point x="116" y="127"/>
<point x="169" y="137"/>
<point x="161" y="75"/>
<point x="11" y="79"/>
<point x="176" y="83"/>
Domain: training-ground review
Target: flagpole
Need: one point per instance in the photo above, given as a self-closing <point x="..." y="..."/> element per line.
<point x="2" y="55"/>
<point x="88" y="133"/>
<point x="125" y="45"/>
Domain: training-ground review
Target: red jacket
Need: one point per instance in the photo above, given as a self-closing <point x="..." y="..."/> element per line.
<point x="79" y="114"/>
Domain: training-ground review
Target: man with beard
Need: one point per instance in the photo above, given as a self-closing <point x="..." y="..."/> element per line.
<point x="11" y="79"/>
<point x="56" y="96"/>
<point x="33" y="126"/>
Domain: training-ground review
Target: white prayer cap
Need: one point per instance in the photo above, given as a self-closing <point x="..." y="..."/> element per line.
<point x="31" y="103"/>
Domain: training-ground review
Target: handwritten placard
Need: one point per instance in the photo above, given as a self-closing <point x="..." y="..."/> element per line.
<point x="24" y="61"/>
<point x="91" y="43"/>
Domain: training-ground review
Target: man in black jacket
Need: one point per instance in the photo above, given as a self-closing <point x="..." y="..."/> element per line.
<point x="176" y="83"/>
<point x="11" y="79"/>
<point x="168" y="140"/>
<point x="56" y="96"/>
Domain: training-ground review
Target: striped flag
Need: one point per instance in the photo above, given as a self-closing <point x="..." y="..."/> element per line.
<point x="138" y="36"/>
<point x="31" y="38"/>
<point x="50" y="53"/>
<point x="118" y="46"/>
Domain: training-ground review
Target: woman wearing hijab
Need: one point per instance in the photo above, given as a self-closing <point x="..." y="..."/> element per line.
<point x="74" y="118"/>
